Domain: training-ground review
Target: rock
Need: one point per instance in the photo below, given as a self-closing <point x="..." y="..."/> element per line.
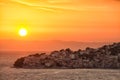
<point x="43" y="56"/>
<point x="72" y="56"/>
<point x="110" y="62"/>
<point x="68" y="50"/>
<point x="49" y="63"/>
<point x="54" y="54"/>
<point x="19" y="62"/>
<point x="119" y="57"/>
<point x="31" y="61"/>
<point x="107" y="56"/>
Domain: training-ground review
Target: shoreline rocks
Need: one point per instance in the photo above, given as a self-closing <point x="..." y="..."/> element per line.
<point x="107" y="56"/>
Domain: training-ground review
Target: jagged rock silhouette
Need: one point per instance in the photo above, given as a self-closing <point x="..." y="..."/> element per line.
<point x="107" y="56"/>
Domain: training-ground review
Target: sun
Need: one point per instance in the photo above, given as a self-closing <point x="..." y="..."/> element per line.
<point x="22" y="32"/>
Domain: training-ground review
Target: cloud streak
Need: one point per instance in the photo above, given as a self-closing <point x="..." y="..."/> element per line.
<point x="46" y="5"/>
<point x="59" y="1"/>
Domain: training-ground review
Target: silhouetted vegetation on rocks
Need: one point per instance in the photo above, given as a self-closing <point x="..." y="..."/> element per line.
<point x="19" y="62"/>
<point x="107" y="56"/>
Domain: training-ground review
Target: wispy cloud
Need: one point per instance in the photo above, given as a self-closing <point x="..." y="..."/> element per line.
<point x="36" y="6"/>
<point x="59" y="1"/>
<point x="54" y="8"/>
<point x="46" y="7"/>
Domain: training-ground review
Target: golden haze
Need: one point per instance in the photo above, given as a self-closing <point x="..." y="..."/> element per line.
<point x="67" y="20"/>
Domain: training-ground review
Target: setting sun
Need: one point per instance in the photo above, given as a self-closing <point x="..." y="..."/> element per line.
<point x="22" y="32"/>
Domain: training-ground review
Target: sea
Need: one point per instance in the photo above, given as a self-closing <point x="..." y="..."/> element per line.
<point x="8" y="72"/>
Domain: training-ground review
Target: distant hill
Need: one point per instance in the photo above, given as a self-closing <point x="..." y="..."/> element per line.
<point x="17" y="45"/>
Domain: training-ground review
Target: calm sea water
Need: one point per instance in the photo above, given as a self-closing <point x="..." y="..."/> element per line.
<point x="7" y="72"/>
<point x="7" y="58"/>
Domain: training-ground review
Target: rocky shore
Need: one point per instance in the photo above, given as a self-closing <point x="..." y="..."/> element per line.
<point x="107" y="56"/>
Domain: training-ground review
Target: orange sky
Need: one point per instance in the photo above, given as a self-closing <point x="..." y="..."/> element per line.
<point x="66" y="20"/>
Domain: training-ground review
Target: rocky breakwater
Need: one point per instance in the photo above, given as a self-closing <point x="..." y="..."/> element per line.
<point x="107" y="56"/>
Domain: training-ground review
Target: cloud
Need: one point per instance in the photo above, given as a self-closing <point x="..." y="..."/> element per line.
<point x="46" y="7"/>
<point x="59" y="1"/>
<point x="52" y="5"/>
